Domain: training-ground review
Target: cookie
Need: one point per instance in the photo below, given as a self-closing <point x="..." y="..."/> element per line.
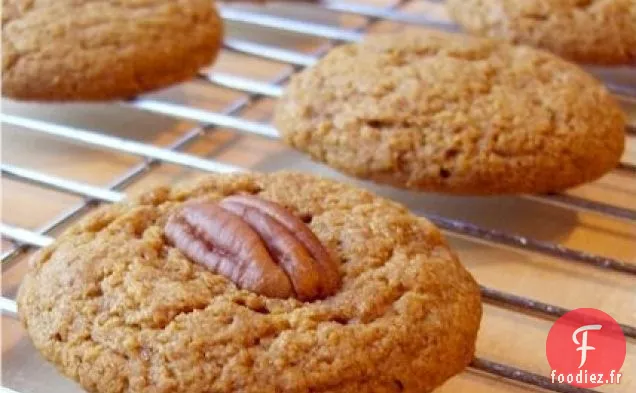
<point x="114" y="305"/>
<point x="69" y="50"/>
<point x="442" y="112"/>
<point x="586" y="31"/>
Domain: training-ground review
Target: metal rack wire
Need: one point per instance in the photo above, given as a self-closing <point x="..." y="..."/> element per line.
<point x="256" y="90"/>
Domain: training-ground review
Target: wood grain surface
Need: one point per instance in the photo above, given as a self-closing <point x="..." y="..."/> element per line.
<point x="506" y="336"/>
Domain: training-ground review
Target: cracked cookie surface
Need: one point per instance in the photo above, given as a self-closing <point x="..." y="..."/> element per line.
<point x="443" y="112"/>
<point x="87" y="50"/>
<point x="118" y="309"/>
<point x="586" y="31"/>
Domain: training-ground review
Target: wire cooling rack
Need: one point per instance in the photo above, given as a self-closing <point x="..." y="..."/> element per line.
<point x="250" y="91"/>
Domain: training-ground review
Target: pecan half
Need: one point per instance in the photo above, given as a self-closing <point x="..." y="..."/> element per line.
<point x="221" y="241"/>
<point x="257" y="244"/>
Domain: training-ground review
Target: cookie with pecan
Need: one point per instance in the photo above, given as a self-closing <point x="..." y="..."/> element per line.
<point x="278" y="282"/>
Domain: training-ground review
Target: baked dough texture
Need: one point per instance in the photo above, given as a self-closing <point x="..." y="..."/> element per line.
<point x="442" y="112"/>
<point x="585" y="31"/>
<point x="118" y="309"/>
<point x="88" y="50"/>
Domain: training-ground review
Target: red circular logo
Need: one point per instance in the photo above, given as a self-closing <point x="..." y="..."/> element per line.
<point x="586" y="348"/>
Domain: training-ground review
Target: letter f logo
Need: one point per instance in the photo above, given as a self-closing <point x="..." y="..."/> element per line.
<point x="584" y="347"/>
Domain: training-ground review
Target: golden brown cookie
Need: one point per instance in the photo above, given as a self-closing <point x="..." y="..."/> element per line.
<point x="586" y="31"/>
<point x="451" y="113"/>
<point x="85" y="50"/>
<point x="116" y="307"/>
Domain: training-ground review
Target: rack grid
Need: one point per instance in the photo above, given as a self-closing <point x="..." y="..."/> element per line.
<point x="24" y="239"/>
